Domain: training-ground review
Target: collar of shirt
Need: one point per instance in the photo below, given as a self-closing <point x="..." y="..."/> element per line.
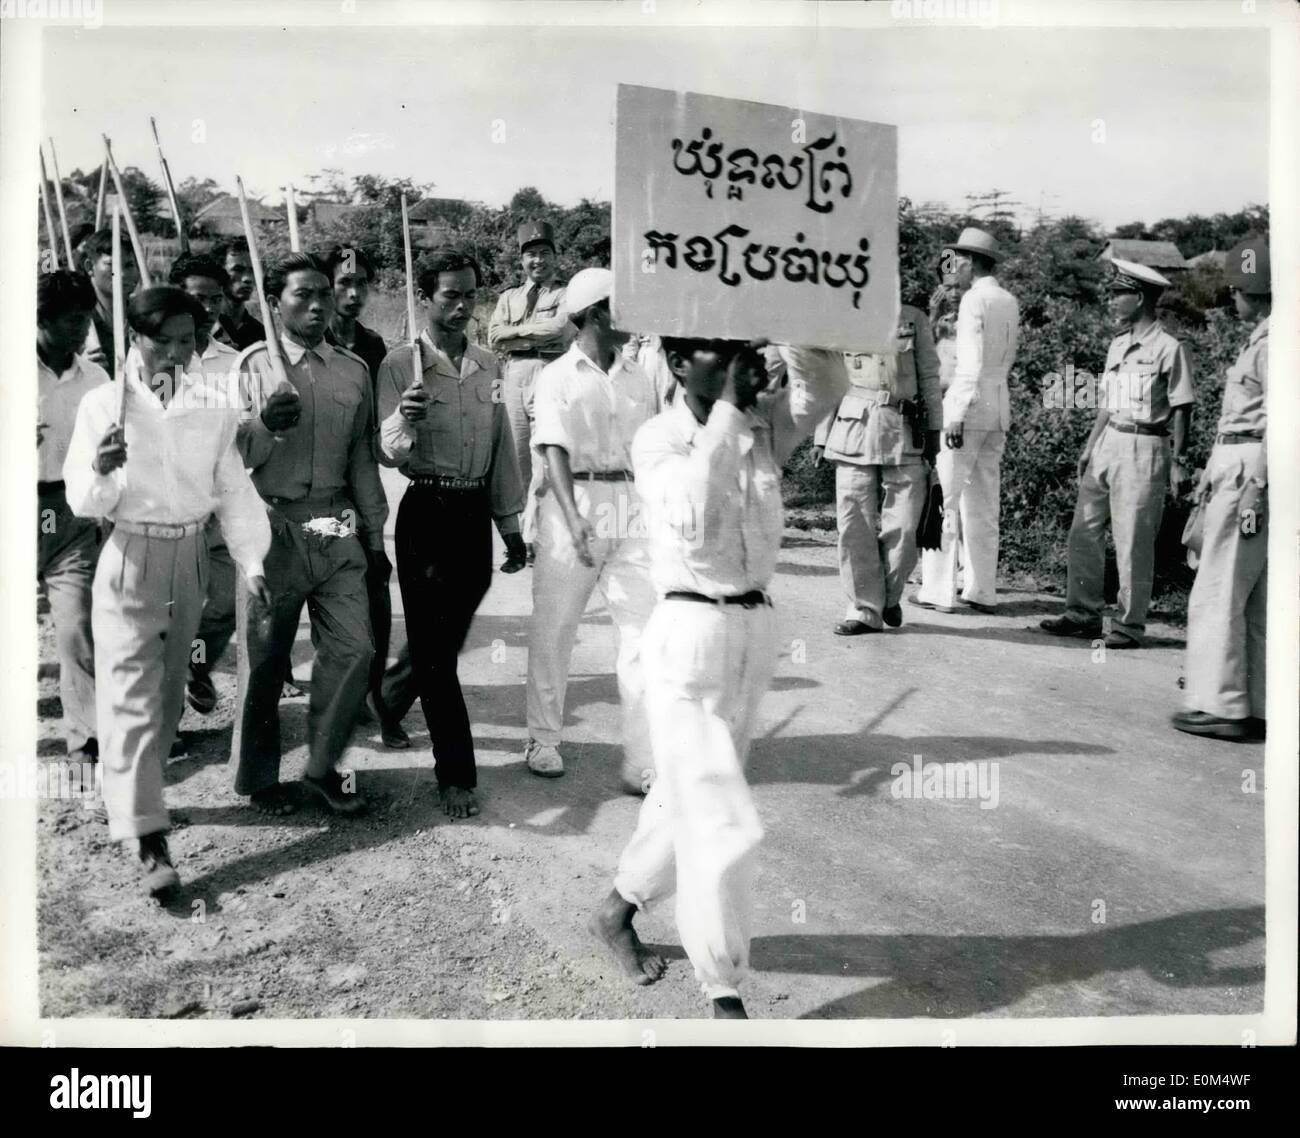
<point x="192" y="376"/>
<point x="1143" y="339"/>
<point x="471" y="360"/>
<point x="688" y="425"/>
<point x="294" y="352"/>
<point x="1259" y="332"/>
<point x="580" y="358"/>
<point x="984" y="283"/>
<point x="215" y="349"/>
<point x="71" y="372"/>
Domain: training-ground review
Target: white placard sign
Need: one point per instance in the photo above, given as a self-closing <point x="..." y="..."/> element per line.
<point x="738" y="220"/>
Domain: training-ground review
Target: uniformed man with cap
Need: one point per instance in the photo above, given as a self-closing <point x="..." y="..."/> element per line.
<point x="880" y="440"/>
<point x="1127" y="464"/>
<point x="1226" y="615"/>
<point x="589" y="405"/>
<point x="529" y="329"/>
<point x="976" y="415"/>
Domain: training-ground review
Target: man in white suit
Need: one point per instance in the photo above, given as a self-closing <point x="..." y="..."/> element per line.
<point x="976" y="414"/>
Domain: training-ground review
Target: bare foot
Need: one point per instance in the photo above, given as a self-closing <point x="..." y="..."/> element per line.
<point x="612" y="924"/>
<point x="457" y="802"/>
<point x="729" y="1007"/>
<point x="275" y="801"/>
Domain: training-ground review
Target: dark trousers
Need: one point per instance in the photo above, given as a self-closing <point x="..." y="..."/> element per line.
<point x="217" y="625"/>
<point x="328" y="575"/>
<point x="397" y="692"/>
<point x="444" y="567"/>
<point x="380" y="602"/>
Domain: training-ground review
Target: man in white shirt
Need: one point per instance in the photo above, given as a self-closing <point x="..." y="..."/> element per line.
<point x="588" y="406"/>
<point x="206" y="281"/>
<point x="158" y="475"/>
<point x="708" y="470"/>
<point x="976" y="415"/>
<point x="67" y="546"/>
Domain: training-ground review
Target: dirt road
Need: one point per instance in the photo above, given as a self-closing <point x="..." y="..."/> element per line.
<point x="1100" y="864"/>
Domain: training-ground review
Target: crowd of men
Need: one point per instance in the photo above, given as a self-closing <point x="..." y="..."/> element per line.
<point x="217" y="486"/>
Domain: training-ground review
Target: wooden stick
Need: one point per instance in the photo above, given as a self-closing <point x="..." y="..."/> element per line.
<point x="272" y="339"/>
<point x="295" y="245"/>
<point x="171" y="189"/>
<point x="103" y="193"/>
<point x="119" y="318"/>
<point x="413" y="328"/>
<point x="49" y="215"/>
<point x="63" y="213"/>
<point x="137" y="246"/>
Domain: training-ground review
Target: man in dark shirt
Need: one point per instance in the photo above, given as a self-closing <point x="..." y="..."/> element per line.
<point x="351" y="272"/>
<point x="238" y="327"/>
<point x="97" y="264"/>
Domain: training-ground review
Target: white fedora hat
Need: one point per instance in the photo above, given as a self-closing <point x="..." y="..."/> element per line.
<point x="974" y="240"/>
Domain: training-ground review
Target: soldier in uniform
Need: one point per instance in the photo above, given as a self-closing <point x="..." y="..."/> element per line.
<point x="881" y="439"/>
<point x="310" y="446"/>
<point x="529" y="329"/>
<point x="1226" y="615"/>
<point x="1127" y="464"/>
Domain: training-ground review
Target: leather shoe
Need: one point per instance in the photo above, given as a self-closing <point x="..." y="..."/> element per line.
<point x="893" y="615"/>
<point x="1064" y="626"/>
<point x="987" y="610"/>
<point x="394" y="736"/>
<point x="915" y="599"/>
<point x="1119" y="641"/>
<point x="1213" y="726"/>
<point x="853" y="628"/>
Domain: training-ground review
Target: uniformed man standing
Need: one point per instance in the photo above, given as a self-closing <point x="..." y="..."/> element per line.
<point x="67" y="546"/>
<point x="1126" y="466"/>
<point x="310" y="446"/>
<point x="1227" y="618"/>
<point x="528" y="329"/>
<point x="976" y="415"/>
<point x="449" y="435"/>
<point x="590" y="404"/>
<point x="881" y="439"/>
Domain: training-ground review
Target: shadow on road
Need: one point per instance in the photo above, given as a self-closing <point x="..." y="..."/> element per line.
<point x="959" y="976"/>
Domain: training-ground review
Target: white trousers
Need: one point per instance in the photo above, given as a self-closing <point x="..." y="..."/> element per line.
<point x="562" y="586"/>
<point x="148" y="598"/>
<point x="971" y="477"/>
<point x="706" y="669"/>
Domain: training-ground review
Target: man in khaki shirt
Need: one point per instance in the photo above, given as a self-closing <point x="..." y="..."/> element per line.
<point x="1127" y="466"/>
<point x="881" y="439"/>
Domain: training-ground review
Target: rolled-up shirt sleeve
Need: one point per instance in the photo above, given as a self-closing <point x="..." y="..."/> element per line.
<point x="1181" y="391"/>
<point x="817" y="381"/>
<point x="396" y="435"/>
<point x="255" y="440"/>
<point x="240" y="511"/>
<point x="90" y="494"/>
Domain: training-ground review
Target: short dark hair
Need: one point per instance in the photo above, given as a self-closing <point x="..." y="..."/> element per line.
<point x="198" y="265"/>
<point x="61" y="292"/>
<point x="222" y="249"/>
<point x="277" y="275"/>
<point x="148" y="310"/>
<point x="100" y="244"/>
<point x="343" y="254"/>
<point x="80" y="232"/>
<point x="444" y="260"/>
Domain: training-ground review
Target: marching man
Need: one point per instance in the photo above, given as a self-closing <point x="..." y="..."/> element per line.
<point x="1227" y="614"/>
<point x="882" y="438"/>
<point x="976" y="415"/>
<point x="589" y="405"/>
<point x="310" y="447"/>
<point x="708" y="470"/>
<point x="158" y="479"/>
<point x="1126" y="465"/>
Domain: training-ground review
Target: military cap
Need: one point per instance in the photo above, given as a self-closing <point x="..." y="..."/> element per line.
<point x="532" y="231"/>
<point x="1133" y="277"/>
<point x="1247" y="267"/>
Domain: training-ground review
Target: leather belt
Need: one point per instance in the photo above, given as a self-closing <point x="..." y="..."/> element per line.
<point x="1231" y="438"/>
<point x="753" y="599"/>
<point x="47" y="488"/>
<point x="604" y="475"/>
<point x="446" y="482"/>
<point x="1137" y="428"/>
<point x="534" y="354"/>
<point x="168" y="530"/>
